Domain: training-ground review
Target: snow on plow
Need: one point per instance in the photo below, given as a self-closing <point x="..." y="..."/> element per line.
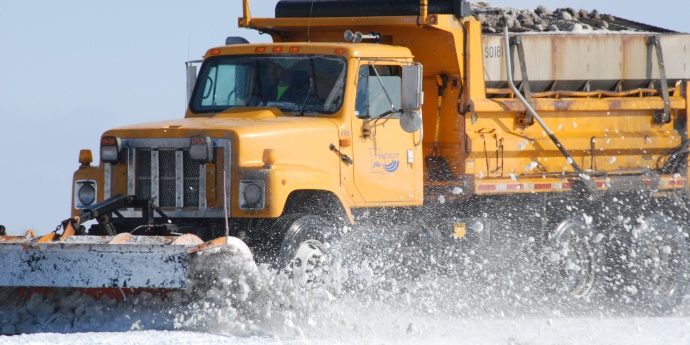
<point x="122" y="261"/>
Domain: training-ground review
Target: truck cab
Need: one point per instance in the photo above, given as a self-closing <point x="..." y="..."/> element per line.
<point x="270" y="129"/>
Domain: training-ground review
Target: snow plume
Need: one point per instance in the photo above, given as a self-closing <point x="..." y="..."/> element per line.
<point x="398" y="272"/>
<point x="386" y="284"/>
<point x="233" y="296"/>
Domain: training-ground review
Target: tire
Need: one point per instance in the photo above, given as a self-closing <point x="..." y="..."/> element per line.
<point x="575" y="262"/>
<point x="655" y="266"/>
<point x="303" y="253"/>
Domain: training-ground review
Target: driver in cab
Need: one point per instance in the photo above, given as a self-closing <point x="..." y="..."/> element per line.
<point x="293" y="87"/>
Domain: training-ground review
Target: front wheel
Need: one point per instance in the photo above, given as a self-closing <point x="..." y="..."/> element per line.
<point x="304" y="253"/>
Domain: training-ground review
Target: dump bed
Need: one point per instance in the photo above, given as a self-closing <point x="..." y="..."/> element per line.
<point x="584" y="62"/>
<point x="601" y="89"/>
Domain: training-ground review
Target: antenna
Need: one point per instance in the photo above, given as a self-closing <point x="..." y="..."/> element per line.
<point x="189" y="44"/>
<point x="309" y="22"/>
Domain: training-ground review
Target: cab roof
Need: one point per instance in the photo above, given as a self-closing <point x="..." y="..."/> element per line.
<point x="345" y="49"/>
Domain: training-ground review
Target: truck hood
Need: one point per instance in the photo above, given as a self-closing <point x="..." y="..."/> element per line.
<point x="251" y="130"/>
<point x="237" y="122"/>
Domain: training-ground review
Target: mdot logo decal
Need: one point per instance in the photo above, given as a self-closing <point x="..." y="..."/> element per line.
<point x="383" y="162"/>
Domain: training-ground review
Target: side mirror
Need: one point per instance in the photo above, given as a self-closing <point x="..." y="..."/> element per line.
<point x="412" y="98"/>
<point x="410" y="121"/>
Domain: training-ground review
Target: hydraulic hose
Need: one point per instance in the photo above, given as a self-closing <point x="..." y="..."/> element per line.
<point x="509" y="69"/>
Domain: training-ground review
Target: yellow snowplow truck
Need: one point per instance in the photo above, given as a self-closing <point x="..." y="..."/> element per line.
<point x="581" y="139"/>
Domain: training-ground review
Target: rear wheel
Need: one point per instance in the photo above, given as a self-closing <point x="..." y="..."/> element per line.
<point x="655" y="266"/>
<point x="574" y="261"/>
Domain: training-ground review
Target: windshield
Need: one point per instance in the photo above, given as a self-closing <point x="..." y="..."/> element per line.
<point x="296" y="84"/>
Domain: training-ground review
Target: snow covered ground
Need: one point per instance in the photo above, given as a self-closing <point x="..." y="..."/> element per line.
<point x="261" y="306"/>
<point x="377" y="327"/>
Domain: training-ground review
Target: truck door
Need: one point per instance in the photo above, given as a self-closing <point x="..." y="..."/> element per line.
<point x="385" y="157"/>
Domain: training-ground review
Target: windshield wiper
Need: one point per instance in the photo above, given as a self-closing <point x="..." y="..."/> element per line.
<point x="312" y="84"/>
<point x="304" y="104"/>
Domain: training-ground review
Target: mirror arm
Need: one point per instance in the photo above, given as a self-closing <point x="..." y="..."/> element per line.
<point x="388" y="115"/>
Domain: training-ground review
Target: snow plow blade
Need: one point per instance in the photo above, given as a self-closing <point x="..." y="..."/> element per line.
<point x="122" y="261"/>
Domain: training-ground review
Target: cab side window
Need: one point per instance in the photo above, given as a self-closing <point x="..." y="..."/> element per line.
<point x="371" y="101"/>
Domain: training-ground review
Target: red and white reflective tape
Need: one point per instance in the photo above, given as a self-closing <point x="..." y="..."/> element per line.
<point x="667" y="182"/>
<point x="524" y="187"/>
<point x="520" y="187"/>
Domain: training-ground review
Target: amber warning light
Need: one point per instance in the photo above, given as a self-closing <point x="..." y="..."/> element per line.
<point x="201" y="148"/>
<point x="110" y="149"/>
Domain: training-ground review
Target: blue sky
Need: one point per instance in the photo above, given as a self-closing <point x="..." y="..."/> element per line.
<point x="71" y="69"/>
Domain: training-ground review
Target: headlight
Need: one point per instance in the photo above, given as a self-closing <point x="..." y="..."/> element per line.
<point x="85" y="193"/>
<point x="251" y="195"/>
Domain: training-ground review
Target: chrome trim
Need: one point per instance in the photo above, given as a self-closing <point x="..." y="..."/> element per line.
<point x="177" y="213"/>
<point x="107" y="179"/>
<point x="179" y="179"/>
<point x="227" y="148"/>
<point x="203" y="204"/>
<point x="156" y="143"/>
<point x="155" y="178"/>
<point x="131" y="170"/>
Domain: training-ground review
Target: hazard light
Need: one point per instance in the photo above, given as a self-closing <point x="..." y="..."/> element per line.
<point x="85" y="158"/>
<point x="111" y="149"/>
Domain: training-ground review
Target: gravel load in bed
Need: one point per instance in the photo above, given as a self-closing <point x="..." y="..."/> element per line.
<point x="543" y="19"/>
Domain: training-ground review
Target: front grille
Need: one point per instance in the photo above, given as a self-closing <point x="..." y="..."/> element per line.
<point x="175" y="170"/>
<point x="161" y="169"/>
